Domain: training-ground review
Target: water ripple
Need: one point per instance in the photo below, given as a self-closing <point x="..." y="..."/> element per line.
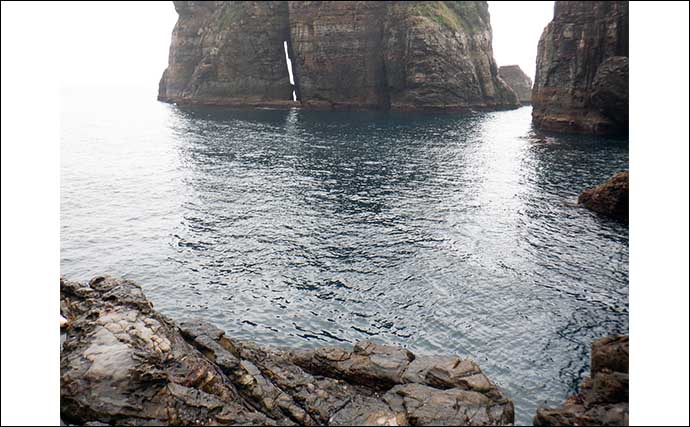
<point x="454" y="233"/>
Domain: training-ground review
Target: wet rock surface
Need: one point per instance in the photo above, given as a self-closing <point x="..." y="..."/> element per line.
<point x="579" y="87"/>
<point x="610" y="198"/>
<point x="123" y="363"/>
<point x="603" y="397"/>
<point x="345" y="55"/>
<point x="520" y="82"/>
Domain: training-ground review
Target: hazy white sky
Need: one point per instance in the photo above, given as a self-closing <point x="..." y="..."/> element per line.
<point x="126" y="43"/>
<point x="517" y="26"/>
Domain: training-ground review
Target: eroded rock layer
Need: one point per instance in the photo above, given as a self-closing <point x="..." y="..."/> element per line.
<point x="577" y="88"/>
<point x="603" y="397"/>
<point x="123" y="363"/>
<point x="518" y="81"/>
<point x="345" y="55"/>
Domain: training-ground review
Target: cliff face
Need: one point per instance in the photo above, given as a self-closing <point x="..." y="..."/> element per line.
<point x="439" y="55"/>
<point x="349" y="55"/>
<point x="227" y="53"/>
<point x="518" y="81"/>
<point x="581" y="37"/>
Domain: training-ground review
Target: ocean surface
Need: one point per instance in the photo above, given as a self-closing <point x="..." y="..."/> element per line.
<point x="448" y="234"/>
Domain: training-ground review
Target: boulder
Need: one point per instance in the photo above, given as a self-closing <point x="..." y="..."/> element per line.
<point x="610" y="198"/>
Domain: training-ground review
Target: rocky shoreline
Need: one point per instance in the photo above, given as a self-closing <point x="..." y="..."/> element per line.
<point x="123" y="363"/>
<point x="603" y="397"/>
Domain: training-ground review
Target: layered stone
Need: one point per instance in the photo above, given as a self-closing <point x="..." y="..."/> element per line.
<point x="123" y="363"/>
<point x="345" y="55"/>
<point x="567" y="95"/>
<point x="518" y="81"/>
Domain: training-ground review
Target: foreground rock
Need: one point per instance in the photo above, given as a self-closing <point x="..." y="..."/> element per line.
<point x="123" y="363"/>
<point x="518" y="81"/>
<point x="603" y="398"/>
<point x="581" y="82"/>
<point x="344" y="55"/>
<point x="610" y="198"/>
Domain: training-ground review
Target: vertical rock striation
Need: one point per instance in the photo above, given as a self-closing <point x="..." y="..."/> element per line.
<point x="518" y="81"/>
<point x="346" y="55"/>
<point x="439" y="55"/>
<point x="576" y="66"/>
<point x="228" y="53"/>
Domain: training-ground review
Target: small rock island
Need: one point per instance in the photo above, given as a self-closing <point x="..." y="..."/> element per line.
<point x="413" y="56"/>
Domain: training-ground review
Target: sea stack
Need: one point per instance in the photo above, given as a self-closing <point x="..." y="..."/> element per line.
<point x="581" y="82"/>
<point x="518" y="81"/>
<point x="345" y="55"/>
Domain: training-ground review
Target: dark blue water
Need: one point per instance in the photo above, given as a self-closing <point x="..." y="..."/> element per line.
<point x="454" y="233"/>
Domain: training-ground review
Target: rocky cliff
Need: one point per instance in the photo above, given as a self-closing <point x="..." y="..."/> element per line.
<point x="581" y="82"/>
<point x="518" y="81"/>
<point x="123" y="363"/>
<point x="228" y="53"/>
<point x="345" y="55"/>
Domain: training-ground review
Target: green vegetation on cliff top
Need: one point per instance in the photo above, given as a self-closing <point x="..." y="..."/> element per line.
<point x="468" y="16"/>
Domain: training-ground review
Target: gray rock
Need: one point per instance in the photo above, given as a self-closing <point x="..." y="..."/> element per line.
<point x="518" y="81"/>
<point x="345" y="55"/>
<point x="582" y="37"/>
<point x="610" y="89"/>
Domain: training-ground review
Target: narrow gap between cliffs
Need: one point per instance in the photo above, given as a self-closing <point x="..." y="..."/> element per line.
<point x="289" y="67"/>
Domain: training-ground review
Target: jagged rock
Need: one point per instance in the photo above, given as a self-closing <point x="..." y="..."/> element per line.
<point x="518" y="81"/>
<point x="345" y="55"/>
<point x="610" y="89"/>
<point x="603" y="398"/>
<point x="610" y="198"/>
<point x="567" y="95"/>
<point x="123" y="363"/>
